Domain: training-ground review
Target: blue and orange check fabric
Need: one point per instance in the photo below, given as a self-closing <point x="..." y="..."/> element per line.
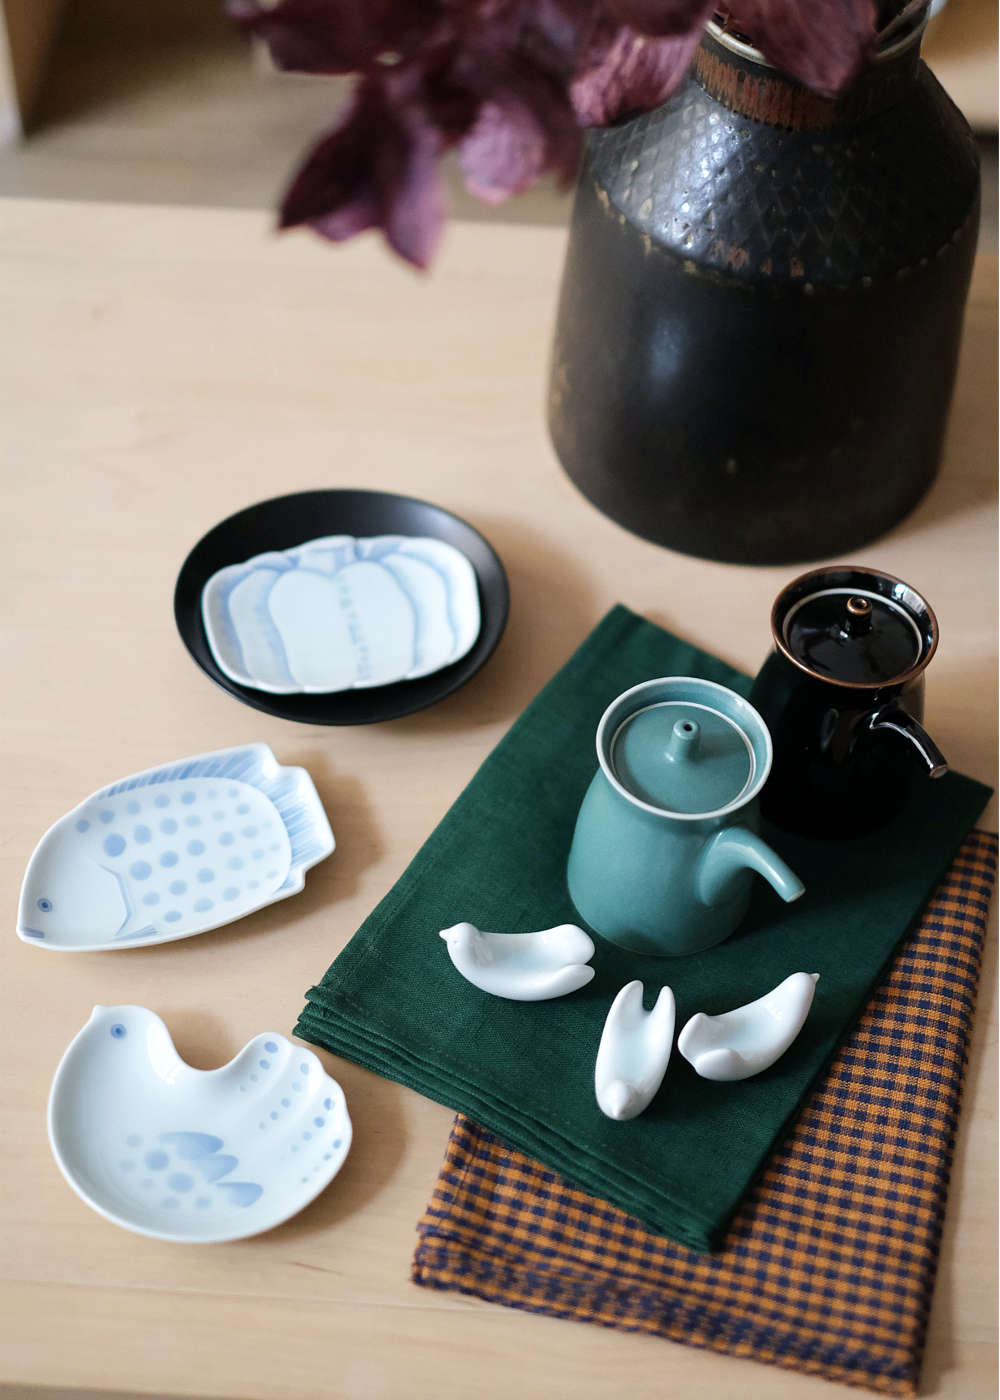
<point x="829" y="1266"/>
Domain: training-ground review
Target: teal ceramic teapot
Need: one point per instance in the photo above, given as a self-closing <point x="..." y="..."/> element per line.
<point x="666" y="839"/>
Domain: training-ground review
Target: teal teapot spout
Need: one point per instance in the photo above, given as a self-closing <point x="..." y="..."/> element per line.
<point x="732" y="852"/>
<point x="666" y="843"/>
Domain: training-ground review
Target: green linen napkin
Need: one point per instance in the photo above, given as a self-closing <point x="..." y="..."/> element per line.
<point x="393" y="1002"/>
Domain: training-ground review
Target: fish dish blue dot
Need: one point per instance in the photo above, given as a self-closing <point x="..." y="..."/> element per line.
<point x="172" y="915"/>
<point x="151" y="898"/>
<point x="114" y="844"/>
<point x="202" y="906"/>
<point x="195" y="848"/>
<point x="106" y="815"/>
<point x="265" y="1064"/>
<point x="133" y="807"/>
<point x="118" y="1031"/>
<point x="270" y="1047"/>
<point x="140" y="870"/>
<point x="187" y="798"/>
<point x="192" y="821"/>
<point x="83" y="824"/>
<point x="178" y="886"/>
<point x="156" y="1160"/>
<point x="180" y="1182"/>
<point x="168" y="826"/>
<point x="234" y="863"/>
<point x="231" y="893"/>
<point x="169" y="858"/>
<point x="205" y="875"/>
<point x="319" y="1122"/>
<point x="249" y="832"/>
<point x="142" y="834"/>
<point x="227" y="838"/>
<point x="162" y="800"/>
<point x="243" y="808"/>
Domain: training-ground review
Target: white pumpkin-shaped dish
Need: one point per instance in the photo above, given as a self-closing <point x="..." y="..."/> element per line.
<point x="189" y="1155"/>
<point x="340" y="613"/>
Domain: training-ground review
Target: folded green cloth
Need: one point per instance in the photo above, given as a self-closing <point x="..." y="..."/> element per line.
<point x="393" y="1002"/>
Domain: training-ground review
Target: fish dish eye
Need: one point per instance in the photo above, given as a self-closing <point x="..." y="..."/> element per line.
<point x="45" y="905"/>
<point x="118" y="1031"/>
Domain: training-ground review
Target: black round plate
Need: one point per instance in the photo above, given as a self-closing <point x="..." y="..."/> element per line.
<point x="290" y="520"/>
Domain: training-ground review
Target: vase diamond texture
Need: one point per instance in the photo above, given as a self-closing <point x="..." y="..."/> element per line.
<point x="762" y="305"/>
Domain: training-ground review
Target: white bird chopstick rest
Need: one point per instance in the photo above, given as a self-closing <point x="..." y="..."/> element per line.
<point x="749" y="1039"/>
<point x="522" y="966"/>
<point x="634" y="1052"/>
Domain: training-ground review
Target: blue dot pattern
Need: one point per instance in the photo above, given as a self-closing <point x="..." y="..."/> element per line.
<point x="156" y="1160"/>
<point x="168" y="876"/>
<point x="270" y="1047"/>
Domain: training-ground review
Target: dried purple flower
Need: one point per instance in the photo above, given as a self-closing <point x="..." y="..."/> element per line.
<point x="510" y="84"/>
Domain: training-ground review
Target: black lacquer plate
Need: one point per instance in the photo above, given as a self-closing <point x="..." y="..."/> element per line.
<point x="286" y="521"/>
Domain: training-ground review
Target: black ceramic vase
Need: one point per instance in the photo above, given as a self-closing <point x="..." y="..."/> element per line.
<point x="762" y="306"/>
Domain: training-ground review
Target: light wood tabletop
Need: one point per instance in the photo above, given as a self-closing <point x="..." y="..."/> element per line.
<point x="159" y="369"/>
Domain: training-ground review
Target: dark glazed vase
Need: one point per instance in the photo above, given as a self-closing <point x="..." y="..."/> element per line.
<point x="762" y="306"/>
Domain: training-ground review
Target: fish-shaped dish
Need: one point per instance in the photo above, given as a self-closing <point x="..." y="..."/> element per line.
<point x="174" y="851"/>
<point x="189" y="1155"/>
<point x="340" y="613"/>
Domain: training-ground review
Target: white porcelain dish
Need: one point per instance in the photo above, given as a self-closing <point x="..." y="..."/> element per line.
<point x="634" y="1052"/>
<point x="749" y="1039"/>
<point x="342" y="613"/>
<point x="536" y="966"/>
<point x="193" y="1156"/>
<point x="174" y="851"/>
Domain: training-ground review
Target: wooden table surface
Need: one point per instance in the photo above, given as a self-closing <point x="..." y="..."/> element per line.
<point x="159" y="369"/>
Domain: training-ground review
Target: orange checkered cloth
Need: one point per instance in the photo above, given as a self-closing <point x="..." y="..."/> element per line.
<point x="829" y="1267"/>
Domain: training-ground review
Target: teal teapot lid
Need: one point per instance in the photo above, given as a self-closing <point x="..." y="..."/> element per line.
<point x="684" y="757"/>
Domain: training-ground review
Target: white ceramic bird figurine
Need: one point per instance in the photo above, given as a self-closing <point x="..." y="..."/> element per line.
<point x="743" y="1042"/>
<point x="522" y="966"/>
<point x="187" y="1154"/>
<point x="634" y="1052"/>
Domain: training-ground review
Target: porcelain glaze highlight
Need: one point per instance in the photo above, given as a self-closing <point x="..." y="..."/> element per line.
<point x="634" y="1052"/>
<point x="522" y="966"/>
<point x="189" y="1155"/>
<point x="749" y="1039"/>
<point x="174" y="851"/>
<point x="341" y="613"/>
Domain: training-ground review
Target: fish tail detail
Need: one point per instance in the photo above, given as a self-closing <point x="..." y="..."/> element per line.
<point x="304" y="820"/>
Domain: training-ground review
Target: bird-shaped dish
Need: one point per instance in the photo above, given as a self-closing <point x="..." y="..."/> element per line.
<point x="536" y="966"/>
<point x="634" y="1052"/>
<point x="194" y="1156"/>
<point x="749" y="1039"/>
<point x="174" y="851"/>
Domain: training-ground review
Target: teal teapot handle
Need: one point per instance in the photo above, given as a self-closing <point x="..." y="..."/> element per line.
<point x="734" y="850"/>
